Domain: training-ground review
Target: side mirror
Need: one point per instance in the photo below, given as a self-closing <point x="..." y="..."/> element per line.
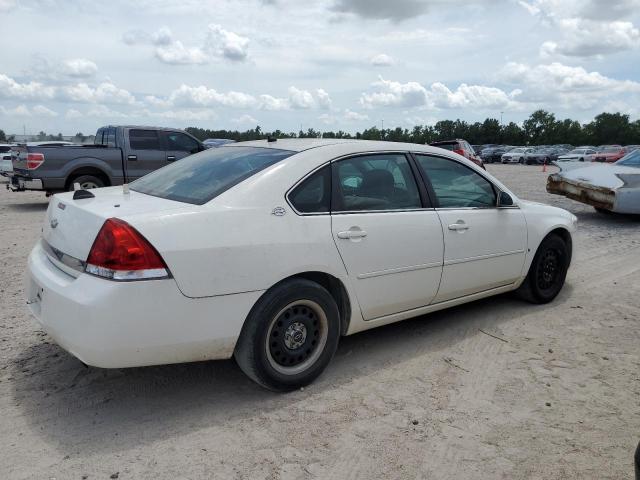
<point x="505" y="200"/>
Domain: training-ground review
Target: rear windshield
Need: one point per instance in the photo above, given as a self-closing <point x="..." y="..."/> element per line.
<point x="201" y="177"/>
<point x="630" y="159"/>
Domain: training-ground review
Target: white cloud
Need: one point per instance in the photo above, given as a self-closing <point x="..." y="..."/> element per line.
<point x="412" y="94"/>
<point x="73" y="113"/>
<point x="355" y="116"/>
<point x="327" y="118"/>
<point x="6" y="5"/>
<point x="245" y="120"/>
<point x="42" y="111"/>
<point x="586" y="27"/>
<point x="176" y="53"/>
<point x="557" y="84"/>
<point x="206" y="97"/>
<point x="9" y="88"/>
<point x="323" y="99"/>
<point x="103" y="111"/>
<point x="395" y="94"/>
<point x="381" y="60"/>
<point x="181" y="114"/>
<point x="227" y="44"/>
<point x="105" y="92"/>
<point x="300" y="99"/>
<point x="80" y="67"/>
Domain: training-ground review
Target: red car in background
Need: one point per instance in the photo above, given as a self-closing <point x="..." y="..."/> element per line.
<point x="609" y="154"/>
<point x="461" y="147"/>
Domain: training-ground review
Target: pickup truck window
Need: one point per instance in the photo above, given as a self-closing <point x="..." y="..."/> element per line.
<point x="109" y="138"/>
<point x="201" y="177"/>
<point x="144" y="140"/>
<point x="181" y="142"/>
<point x="98" y="139"/>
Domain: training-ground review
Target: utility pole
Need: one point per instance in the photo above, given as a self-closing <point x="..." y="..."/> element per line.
<point x="501" y="118"/>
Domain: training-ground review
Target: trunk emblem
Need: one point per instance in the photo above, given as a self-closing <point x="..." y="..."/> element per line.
<point x="54" y="222"/>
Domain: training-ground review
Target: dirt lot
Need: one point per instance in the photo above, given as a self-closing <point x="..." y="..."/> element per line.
<point x="556" y="396"/>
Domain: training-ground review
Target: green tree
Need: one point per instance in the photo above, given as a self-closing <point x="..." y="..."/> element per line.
<point x="3" y="137"/>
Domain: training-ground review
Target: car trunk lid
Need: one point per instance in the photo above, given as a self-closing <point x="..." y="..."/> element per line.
<point x="71" y="226"/>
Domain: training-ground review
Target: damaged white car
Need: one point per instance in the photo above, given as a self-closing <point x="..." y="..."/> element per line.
<point x="608" y="188"/>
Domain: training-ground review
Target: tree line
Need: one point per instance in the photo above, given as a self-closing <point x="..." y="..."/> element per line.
<point x="541" y="128"/>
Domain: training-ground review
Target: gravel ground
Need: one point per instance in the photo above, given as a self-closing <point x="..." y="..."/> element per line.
<point x="497" y="389"/>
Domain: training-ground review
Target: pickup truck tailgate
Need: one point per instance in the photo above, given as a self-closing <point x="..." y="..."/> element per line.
<point x="71" y="226"/>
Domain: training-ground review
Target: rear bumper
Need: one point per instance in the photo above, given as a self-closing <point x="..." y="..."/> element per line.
<point x="128" y="324"/>
<point x="19" y="183"/>
<point x="599" y="197"/>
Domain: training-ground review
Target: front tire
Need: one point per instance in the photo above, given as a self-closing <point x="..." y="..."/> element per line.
<point x="290" y="335"/>
<point x="548" y="271"/>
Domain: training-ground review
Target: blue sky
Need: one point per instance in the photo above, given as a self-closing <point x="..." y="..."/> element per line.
<point x="69" y="66"/>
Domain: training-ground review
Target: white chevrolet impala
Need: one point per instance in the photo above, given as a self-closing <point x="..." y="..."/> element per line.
<point x="269" y="251"/>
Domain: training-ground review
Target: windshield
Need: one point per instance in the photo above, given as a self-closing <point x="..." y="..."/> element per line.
<point x="517" y="150"/>
<point x="630" y="160"/>
<point x="201" y="177"/>
<point x="611" y="150"/>
<point x="576" y="152"/>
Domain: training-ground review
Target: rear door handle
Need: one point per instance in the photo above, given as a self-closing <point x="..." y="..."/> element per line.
<point x="132" y="158"/>
<point x="349" y="234"/>
<point x="170" y="158"/>
<point x="459" y="226"/>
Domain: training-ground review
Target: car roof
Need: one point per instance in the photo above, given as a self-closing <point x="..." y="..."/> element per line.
<point x="302" y="144"/>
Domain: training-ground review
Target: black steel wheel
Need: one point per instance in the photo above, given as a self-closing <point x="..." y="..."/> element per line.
<point x="290" y="335"/>
<point x="548" y="271"/>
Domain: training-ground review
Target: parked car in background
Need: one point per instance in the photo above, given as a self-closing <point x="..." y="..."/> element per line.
<point x="577" y="155"/>
<point x="494" y="154"/>
<point x="609" y="154"/>
<point x="119" y="154"/>
<point x="608" y="188"/>
<point x="461" y="147"/>
<point x="216" y="142"/>
<point x="6" y="165"/>
<point x="270" y="251"/>
<point x="543" y="155"/>
<point x="516" y="155"/>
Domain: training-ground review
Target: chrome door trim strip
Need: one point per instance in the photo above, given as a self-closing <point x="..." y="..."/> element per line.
<point x="391" y="271"/>
<point x="481" y="257"/>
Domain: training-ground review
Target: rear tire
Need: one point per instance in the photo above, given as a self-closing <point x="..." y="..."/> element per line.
<point x="289" y="336"/>
<point x="548" y="271"/>
<point x="86" y="182"/>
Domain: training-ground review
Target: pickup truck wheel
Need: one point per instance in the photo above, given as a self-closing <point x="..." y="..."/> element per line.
<point x="289" y="336"/>
<point x="86" y="182"/>
<point x="547" y="272"/>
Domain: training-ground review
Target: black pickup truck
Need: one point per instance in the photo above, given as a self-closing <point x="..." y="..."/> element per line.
<point x="120" y="154"/>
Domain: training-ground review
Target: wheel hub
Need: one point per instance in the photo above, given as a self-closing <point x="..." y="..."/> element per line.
<point x="295" y="335"/>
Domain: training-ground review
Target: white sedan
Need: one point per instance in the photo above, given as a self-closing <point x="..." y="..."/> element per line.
<point x="269" y="251"/>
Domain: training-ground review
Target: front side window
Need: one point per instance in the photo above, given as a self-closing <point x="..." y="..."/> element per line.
<point x="313" y="195"/>
<point x="181" y="142"/>
<point x="199" y="178"/>
<point x="375" y="182"/>
<point x="455" y="185"/>
<point x="144" y="139"/>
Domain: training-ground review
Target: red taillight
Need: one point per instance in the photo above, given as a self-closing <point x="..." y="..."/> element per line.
<point x="459" y="151"/>
<point x="120" y="252"/>
<point x="34" y="160"/>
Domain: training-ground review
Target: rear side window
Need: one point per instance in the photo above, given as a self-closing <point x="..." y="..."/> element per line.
<point x="4" y="148"/>
<point x="375" y="182"/>
<point x="313" y="195"/>
<point x="201" y="177"/>
<point x="144" y="139"/>
<point x="181" y="142"/>
<point x="456" y="185"/>
<point x="109" y="138"/>
<point x="98" y="139"/>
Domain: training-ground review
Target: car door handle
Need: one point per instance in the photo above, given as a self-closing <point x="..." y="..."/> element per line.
<point x="459" y="226"/>
<point x="132" y="158"/>
<point x="349" y="234"/>
<point x="170" y="158"/>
